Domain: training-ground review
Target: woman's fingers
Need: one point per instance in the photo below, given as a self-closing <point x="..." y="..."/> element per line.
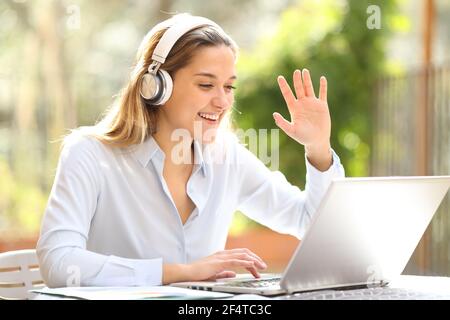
<point x="254" y="272"/>
<point x="323" y="89"/>
<point x="250" y="253"/>
<point x="225" y="274"/>
<point x="222" y="275"/>
<point x="282" y="123"/>
<point x="236" y="263"/>
<point x="303" y="87"/>
<point x="309" y="90"/>
<point x="254" y="255"/>
<point x="287" y="93"/>
<point x="298" y="84"/>
<point x="241" y="257"/>
<point x="245" y="256"/>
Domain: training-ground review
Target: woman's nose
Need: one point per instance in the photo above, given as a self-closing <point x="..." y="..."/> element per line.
<point x="221" y="101"/>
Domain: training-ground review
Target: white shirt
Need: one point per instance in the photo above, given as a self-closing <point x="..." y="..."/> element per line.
<point x="111" y="221"/>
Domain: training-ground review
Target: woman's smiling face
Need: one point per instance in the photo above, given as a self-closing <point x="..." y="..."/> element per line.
<point x="202" y="93"/>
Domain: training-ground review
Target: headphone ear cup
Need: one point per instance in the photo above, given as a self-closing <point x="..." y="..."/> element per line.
<point x="156" y="89"/>
<point x="150" y="87"/>
<point x="167" y="86"/>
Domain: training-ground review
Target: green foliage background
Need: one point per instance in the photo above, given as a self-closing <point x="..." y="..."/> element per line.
<point x="331" y="39"/>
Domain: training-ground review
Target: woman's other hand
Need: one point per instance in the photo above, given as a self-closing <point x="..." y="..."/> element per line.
<point x="219" y="265"/>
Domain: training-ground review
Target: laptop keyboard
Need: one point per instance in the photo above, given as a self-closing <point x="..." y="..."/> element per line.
<point x="377" y="293"/>
<point x="373" y="293"/>
<point x="257" y="283"/>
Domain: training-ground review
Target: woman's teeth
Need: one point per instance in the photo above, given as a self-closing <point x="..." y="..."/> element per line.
<point x="208" y="116"/>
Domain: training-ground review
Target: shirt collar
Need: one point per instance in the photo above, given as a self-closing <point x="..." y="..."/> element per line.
<point x="145" y="151"/>
<point x="198" y="156"/>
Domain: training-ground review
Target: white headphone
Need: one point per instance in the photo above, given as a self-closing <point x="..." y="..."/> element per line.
<point x="156" y="86"/>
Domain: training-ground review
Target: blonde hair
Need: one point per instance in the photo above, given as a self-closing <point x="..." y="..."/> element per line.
<point x="130" y="120"/>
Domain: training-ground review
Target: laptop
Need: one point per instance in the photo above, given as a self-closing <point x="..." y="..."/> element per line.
<point x="362" y="235"/>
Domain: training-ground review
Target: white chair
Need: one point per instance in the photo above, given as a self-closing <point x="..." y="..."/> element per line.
<point x="19" y="272"/>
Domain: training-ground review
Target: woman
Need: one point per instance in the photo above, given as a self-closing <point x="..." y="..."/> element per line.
<point x="127" y="208"/>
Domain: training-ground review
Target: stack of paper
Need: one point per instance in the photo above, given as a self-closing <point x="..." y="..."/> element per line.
<point x="131" y="293"/>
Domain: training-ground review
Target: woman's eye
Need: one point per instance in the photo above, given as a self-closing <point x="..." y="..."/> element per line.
<point x="209" y="86"/>
<point x="229" y="88"/>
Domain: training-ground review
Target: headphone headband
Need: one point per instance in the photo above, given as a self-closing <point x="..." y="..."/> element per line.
<point x="174" y="32"/>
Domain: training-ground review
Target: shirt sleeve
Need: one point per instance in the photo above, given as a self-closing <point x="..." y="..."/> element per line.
<point x="61" y="249"/>
<point x="268" y="198"/>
